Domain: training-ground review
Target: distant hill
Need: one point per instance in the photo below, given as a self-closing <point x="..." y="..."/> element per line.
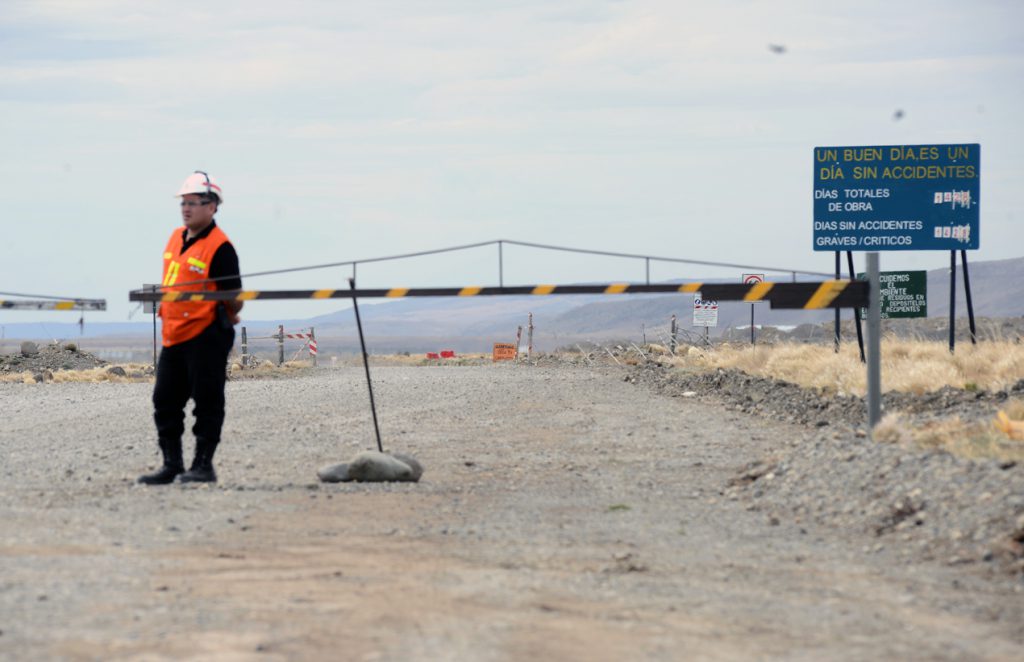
<point x="472" y="324"/>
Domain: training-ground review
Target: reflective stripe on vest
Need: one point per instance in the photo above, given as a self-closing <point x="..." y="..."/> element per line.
<point x="184" y="320"/>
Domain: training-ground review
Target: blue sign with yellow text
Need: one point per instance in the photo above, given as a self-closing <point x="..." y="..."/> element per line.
<point x="896" y="198"/>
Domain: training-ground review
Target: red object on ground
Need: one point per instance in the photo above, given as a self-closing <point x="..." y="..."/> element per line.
<point x="447" y="353"/>
<point x="433" y="355"/>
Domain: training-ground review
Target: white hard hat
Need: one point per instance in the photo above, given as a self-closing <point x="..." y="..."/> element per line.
<point x="201" y="183"/>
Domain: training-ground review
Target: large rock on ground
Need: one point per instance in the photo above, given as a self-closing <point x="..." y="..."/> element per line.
<point x="334" y="473"/>
<point x="373" y="467"/>
<point x="29" y="348"/>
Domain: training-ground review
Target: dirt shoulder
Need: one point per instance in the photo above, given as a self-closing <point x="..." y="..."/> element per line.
<point x="565" y="513"/>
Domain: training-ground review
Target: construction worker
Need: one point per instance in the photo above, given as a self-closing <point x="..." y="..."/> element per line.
<point x="197" y="335"/>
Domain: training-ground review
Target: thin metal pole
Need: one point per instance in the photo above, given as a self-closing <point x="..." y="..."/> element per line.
<point x="751" y="324"/>
<point x="529" y="341"/>
<point x="874" y="361"/>
<point x="952" y="301"/>
<point x="647" y="260"/>
<point x="967" y="292"/>
<point x="366" y="365"/>
<point x="280" y="344"/>
<point x="155" y="306"/>
<point x="856" y="311"/>
<point x="501" y="266"/>
<point x="245" y="349"/>
<point x="839" y="275"/>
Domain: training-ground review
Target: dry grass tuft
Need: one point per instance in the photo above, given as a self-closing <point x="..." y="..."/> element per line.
<point x="967" y="439"/>
<point x="892" y="429"/>
<point x="270" y="370"/>
<point x="1014" y="408"/>
<point x="134" y="372"/>
<point x="910" y="366"/>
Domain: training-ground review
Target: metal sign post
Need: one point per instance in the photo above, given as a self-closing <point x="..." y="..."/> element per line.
<point x="856" y="311"/>
<point x="839" y="274"/>
<point x="874" y="348"/>
<point x="755" y="279"/>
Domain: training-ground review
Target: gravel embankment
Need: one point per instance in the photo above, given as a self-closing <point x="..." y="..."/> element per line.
<point x="934" y="504"/>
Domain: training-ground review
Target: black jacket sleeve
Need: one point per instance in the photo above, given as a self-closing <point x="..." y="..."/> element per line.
<point x="225" y="263"/>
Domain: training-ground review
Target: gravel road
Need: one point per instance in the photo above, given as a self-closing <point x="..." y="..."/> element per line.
<point x="565" y="513"/>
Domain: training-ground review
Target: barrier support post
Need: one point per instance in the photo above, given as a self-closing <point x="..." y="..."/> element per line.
<point x="280" y="344"/>
<point x="672" y="336"/>
<point x="366" y="363"/>
<point x="152" y="288"/>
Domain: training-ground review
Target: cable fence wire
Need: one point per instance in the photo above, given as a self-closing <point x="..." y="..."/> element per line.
<point x="525" y="244"/>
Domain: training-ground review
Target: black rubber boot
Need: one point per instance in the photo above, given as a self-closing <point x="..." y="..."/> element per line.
<point x="201" y="470"/>
<point x="173" y="464"/>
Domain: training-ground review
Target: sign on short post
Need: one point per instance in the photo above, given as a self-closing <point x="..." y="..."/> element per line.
<point x="904" y="294"/>
<point x="752" y="279"/>
<point x="705" y="312"/>
<point x="503" y="351"/>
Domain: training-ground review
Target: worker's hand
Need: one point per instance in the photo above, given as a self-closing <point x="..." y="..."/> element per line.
<point x="233" y="308"/>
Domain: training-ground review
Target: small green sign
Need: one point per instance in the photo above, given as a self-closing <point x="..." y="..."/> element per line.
<point x="904" y="294"/>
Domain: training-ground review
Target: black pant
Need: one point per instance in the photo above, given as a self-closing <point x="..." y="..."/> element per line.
<point x="196" y="369"/>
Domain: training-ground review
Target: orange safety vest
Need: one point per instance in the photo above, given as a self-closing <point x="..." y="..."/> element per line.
<point x="184" y="320"/>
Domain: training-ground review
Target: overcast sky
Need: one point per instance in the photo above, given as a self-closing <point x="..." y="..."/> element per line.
<point x="344" y="130"/>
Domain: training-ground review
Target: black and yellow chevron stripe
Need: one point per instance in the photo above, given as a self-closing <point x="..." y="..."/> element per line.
<point x="825" y="294"/>
<point x="32" y="304"/>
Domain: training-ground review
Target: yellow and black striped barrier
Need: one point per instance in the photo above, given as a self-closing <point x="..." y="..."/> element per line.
<point x="825" y="294"/>
<point x="75" y="304"/>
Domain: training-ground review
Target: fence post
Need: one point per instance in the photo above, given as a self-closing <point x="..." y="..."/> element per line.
<point x="245" y="349"/>
<point x="672" y="335"/>
<point x="529" y="339"/>
<point x="280" y="344"/>
<point x="312" y="345"/>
